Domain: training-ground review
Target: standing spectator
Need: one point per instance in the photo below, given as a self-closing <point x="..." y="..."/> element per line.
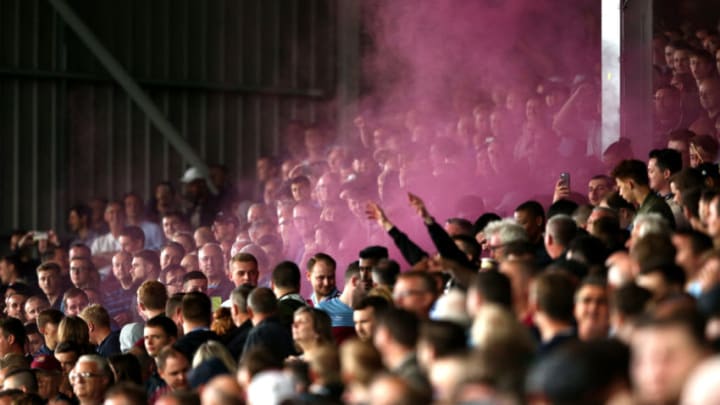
<point x="197" y="316"/>
<point x="634" y="186"/>
<point x="235" y="341"/>
<point x="551" y="297"/>
<point x="98" y="322"/>
<point x="286" y="286"/>
<point x="321" y="274"/>
<point x="173" y="368"/>
<point x="267" y="330"/>
<point x="396" y="338"/>
<point x="340" y="308"/>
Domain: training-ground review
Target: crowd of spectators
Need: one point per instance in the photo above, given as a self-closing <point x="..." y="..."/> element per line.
<point x="330" y="280"/>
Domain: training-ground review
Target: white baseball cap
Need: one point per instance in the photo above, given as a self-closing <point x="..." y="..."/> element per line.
<point x="192" y="174"/>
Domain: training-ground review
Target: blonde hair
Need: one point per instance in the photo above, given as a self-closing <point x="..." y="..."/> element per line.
<point x="97" y="315"/>
<point x="212" y="349"/>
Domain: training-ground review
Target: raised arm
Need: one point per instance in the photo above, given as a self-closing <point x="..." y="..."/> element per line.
<point x="443" y="242"/>
<point x="409" y="249"/>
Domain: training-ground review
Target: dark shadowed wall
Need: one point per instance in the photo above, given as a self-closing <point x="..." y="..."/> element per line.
<point x="227" y="74"/>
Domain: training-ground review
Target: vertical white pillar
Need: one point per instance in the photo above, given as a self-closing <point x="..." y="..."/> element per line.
<point x="611" y="38"/>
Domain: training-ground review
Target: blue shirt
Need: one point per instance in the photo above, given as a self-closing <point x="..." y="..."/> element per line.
<point x="314" y="301"/>
<point x="154" y="236"/>
<point x="340" y="314"/>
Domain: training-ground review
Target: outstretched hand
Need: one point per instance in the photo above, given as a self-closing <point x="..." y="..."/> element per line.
<point x="375" y="212"/>
<point x="417" y="203"/>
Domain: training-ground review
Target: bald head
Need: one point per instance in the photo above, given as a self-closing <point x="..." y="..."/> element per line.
<point x="709" y="90"/>
<point x="211" y="260"/>
<point x="222" y="390"/>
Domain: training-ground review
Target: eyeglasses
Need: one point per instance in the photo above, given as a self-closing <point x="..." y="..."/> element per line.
<point x="83" y="376"/>
<point x="496" y="247"/>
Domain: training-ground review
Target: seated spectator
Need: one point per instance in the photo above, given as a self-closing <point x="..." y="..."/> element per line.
<point x="195" y="281"/>
<point x="172" y="276"/>
<point x="212" y="264"/>
<point x="145" y="266"/>
<point x="132" y="239"/>
<point x="49" y="276"/>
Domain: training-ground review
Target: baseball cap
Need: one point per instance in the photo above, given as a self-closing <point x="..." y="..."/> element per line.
<point x="192" y="174"/>
<point x="45" y="362"/>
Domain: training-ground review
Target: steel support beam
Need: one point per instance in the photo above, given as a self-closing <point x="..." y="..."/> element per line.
<point x="125" y="81"/>
<point x="637" y="74"/>
<point x="348" y="63"/>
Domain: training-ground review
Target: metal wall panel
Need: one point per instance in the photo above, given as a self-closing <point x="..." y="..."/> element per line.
<point x="228" y="74"/>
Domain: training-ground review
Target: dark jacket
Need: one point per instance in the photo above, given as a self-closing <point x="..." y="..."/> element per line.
<point x="189" y="343"/>
<point x="273" y="335"/>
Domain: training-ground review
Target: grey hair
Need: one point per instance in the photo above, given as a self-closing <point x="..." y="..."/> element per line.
<point x="507" y="230"/>
<point x="562" y="228"/>
<point x="651" y="223"/>
<point x="99" y="361"/>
